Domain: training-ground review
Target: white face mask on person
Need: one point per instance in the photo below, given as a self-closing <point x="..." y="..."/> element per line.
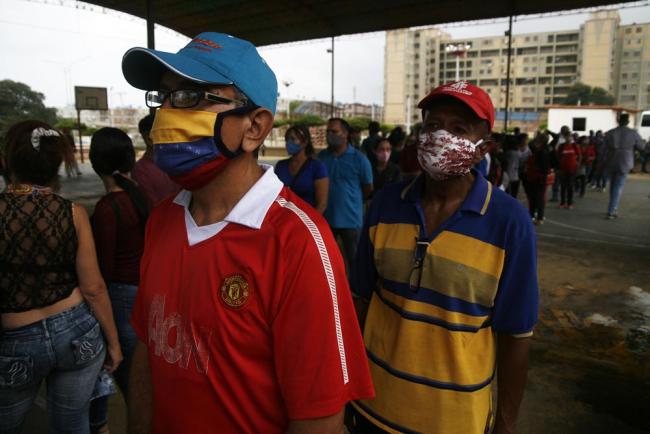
<point x="443" y="155"/>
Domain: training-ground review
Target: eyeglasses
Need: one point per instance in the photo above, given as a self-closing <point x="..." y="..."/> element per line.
<point x="415" y="276"/>
<point x="187" y="98"/>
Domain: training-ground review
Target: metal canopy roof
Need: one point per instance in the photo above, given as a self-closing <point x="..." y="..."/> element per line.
<point x="266" y="22"/>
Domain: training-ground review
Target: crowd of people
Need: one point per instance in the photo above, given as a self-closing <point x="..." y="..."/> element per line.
<point x="387" y="285"/>
<point x="566" y="162"/>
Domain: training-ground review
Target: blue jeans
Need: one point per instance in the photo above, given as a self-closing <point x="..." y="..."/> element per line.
<point x="617" y="182"/>
<point x="67" y="350"/>
<point x="122" y="298"/>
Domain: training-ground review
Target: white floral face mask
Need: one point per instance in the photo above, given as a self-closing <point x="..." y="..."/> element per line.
<point x="443" y="155"/>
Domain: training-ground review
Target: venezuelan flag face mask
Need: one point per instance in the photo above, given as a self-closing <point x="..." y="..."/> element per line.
<point x="188" y="145"/>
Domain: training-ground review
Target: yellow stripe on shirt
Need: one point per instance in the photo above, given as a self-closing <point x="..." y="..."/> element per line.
<point x="428" y="350"/>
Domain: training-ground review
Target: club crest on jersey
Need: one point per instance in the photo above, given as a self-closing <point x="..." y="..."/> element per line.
<point x="235" y="291"/>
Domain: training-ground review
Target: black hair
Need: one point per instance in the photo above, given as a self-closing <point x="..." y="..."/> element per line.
<point x="344" y="124"/>
<point x="303" y="132"/>
<point x="373" y="127"/>
<point x="145" y="125"/>
<point x="623" y="119"/>
<point x="111" y="154"/>
<point x="379" y="142"/>
<point x="396" y="136"/>
<point x="27" y="164"/>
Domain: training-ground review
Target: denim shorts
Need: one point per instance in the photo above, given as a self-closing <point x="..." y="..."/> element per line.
<point x="67" y="350"/>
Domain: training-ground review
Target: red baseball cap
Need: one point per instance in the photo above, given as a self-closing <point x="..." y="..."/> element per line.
<point x="473" y="96"/>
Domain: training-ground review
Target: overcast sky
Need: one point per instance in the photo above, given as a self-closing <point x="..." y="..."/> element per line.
<point x="54" y="47"/>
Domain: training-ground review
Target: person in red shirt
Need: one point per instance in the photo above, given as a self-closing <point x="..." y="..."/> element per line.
<point x="118" y="228"/>
<point x="153" y="182"/>
<point x="569" y="155"/>
<point x="244" y="316"/>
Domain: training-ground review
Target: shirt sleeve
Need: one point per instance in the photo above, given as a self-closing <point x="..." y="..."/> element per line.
<point x="104" y="225"/>
<point x="638" y="141"/>
<point x="517" y="301"/>
<point x="320" y="171"/>
<point x="366" y="170"/>
<point x="319" y="355"/>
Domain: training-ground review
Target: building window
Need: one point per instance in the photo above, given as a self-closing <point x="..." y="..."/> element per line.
<point x="639" y="29"/>
<point x="628" y="31"/>
<point x="551" y="38"/>
<point x="624" y="76"/>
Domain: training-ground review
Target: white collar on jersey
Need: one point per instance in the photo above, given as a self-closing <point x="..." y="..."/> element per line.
<point x="250" y="210"/>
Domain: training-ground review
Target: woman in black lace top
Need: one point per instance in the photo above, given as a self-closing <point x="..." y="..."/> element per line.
<point x="53" y="301"/>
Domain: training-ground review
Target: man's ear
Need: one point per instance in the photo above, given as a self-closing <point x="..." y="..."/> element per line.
<point x="261" y="124"/>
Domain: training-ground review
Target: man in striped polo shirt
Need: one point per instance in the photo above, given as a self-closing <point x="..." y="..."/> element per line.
<point x="447" y="264"/>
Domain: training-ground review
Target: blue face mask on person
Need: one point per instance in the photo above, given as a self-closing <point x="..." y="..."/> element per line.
<point x="292" y="147"/>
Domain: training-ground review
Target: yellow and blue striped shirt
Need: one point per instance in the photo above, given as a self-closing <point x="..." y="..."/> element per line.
<point x="432" y="346"/>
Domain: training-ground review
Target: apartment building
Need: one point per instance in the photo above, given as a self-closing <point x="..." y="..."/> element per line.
<point x="543" y="66"/>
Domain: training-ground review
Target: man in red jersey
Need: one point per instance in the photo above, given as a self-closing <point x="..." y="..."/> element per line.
<point x="243" y="313"/>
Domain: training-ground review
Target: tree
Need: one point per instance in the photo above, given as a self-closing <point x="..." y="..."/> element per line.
<point x="359" y="123"/>
<point x="585" y="95"/>
<point x="307" y="120"/>
<point x="19" y="102"/>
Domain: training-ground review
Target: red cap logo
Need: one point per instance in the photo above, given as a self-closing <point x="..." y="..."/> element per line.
<point x="473" y="96"/>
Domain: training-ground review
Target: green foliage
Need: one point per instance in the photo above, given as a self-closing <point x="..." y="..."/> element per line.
<point x="293" y="105"/>
<point x="386" y="128"/>
<point x="19" y="102"/>
<point x="71" y="124"/>
<point x="280" y="123"/>
<point x="359" y="123"/>
<point x="307" y="120"/>
<point x="586" y="95"/>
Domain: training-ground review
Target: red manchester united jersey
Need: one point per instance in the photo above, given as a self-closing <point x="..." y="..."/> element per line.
<point x="249" y="323"/>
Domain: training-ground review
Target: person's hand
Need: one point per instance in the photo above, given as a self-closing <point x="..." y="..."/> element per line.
<point x="113" y="357"/>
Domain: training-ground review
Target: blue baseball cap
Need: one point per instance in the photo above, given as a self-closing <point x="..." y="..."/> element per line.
<point x="209" y="58"/>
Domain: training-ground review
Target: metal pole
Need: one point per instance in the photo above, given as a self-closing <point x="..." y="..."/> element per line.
<point x="81" y="146"/>
<point x="332" y="99"/>
<point x="457" y="66"/>
<point x="151" y="40"/>
<point x="505" y="123"/>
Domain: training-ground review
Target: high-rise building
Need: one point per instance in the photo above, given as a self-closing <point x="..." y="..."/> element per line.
<point x="543" y="66"/>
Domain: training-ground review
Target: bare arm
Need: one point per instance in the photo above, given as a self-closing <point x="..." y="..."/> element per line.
<point x="321" y="192"/>
<point x="324" y="425"/>
<point x="93" y="288"/>
<point x="512" y="363"/>
<point x="140" y="394"/>
<point x="367" y="189"/>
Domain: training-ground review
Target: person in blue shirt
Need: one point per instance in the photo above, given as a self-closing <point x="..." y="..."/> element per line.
<point x="306" y="176"/>
<point x="350" y="178"/>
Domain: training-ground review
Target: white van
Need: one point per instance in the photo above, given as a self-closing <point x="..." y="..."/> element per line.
<point x="643" y="126"/>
